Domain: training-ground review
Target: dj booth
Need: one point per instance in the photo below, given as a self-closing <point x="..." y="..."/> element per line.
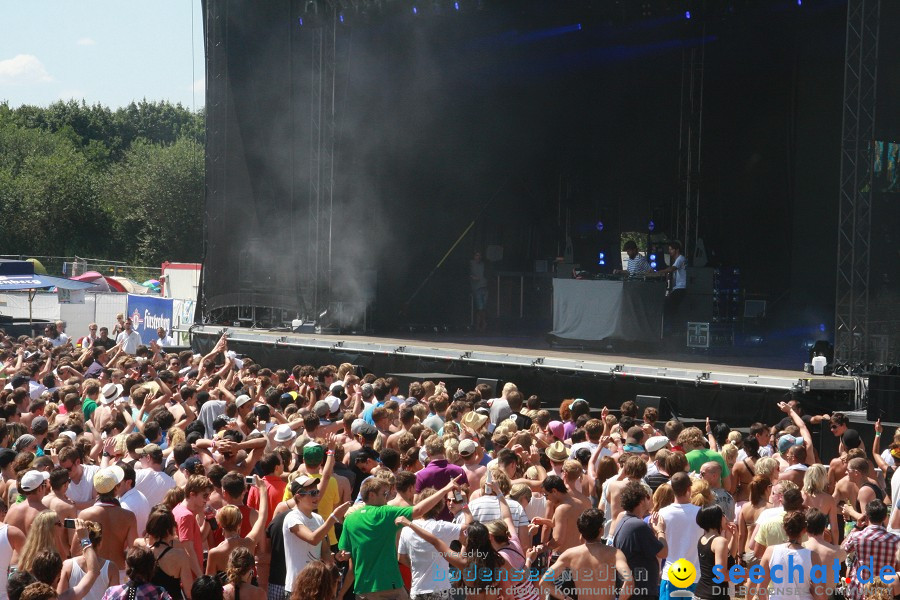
<point x="615" y="310"/>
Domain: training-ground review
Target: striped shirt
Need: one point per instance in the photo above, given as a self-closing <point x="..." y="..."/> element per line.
<point x="638" y="265"/>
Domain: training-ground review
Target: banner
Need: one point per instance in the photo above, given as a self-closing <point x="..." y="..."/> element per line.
<point x="70" y="296"/>
<point x="148" y="313"/>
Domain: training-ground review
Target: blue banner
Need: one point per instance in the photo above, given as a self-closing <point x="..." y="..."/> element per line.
<point x="148" y="313"/>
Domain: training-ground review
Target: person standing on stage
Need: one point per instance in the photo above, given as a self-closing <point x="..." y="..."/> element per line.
<point x="678" y="286"/>
<point x="637" y="263"/>
<point x="479" y="290"/>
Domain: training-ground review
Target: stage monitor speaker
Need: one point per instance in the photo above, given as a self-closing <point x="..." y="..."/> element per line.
<point x="883" y="398"/>
<point x="657" y="402"/>
<point x="494" y="383"/>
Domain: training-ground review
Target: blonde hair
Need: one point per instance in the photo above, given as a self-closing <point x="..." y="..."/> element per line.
<point x="729" y="453"/>
<point x="701" y="494"/>
<point x="691" y="438"/>
<point x="229" y="517"/>
<point x="508" y="387"/>
<point x="766" y="466"/>
<point x="41" y="536"/>
<point x="815" y="479"/>
<point x="663" y="497"/>
<point x="499" y="530"/>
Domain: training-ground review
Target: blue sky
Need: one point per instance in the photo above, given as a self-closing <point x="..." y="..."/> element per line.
<point x="111" y="52"/>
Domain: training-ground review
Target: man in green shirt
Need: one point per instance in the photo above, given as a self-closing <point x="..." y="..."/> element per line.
<point x="89" y="405"/>
<point x="370" y="536"/>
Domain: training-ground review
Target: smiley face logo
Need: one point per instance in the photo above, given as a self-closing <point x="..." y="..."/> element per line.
<point x="682" y="573"/>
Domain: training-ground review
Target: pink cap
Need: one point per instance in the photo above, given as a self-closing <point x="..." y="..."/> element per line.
<point x="557" y="429"/>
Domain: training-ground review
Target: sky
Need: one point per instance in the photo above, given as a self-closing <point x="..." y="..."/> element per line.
<point x="107" y="51"/>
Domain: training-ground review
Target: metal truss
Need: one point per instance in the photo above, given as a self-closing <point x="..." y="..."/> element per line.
<point x="855" y="203"/>
<point x="687" y="202"/>
<point x="316" y="285"/>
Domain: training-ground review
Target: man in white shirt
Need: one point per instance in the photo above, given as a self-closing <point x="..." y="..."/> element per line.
<point x="132" y="499"/>
<point x="682" y="531"/>
<point x="304" y="531"/>
<point x="150" y="480"/>
<point x="81" y="477"/>
<point x="163" y="340"/>
<point x="486" y="508"/>
<point x="130" y="338"/>
<point x="678" y="288"/>
<point x="430" y="570"/>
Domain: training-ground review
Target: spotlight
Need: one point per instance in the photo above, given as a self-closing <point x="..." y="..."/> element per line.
<point x="651" y="225"/>
<point x="456" y="5"/>
<point x="341" y="17"/>
<point x="599" y="225"/>
<point x="653" y="264"/>
<point x="415" y="10"/>
<point x="300" y="20"/>
<point x="601" y="255"/>
<point x="687" y="13"/>
<point x="652" y="257"/>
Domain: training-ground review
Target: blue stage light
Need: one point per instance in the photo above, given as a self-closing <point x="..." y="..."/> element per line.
<point x="341" y="17"/>
<point x="579" y="27"/>
<point x="456" y="5"/>
<point x="601" y="255"/>
<point x="821" y="325"/>
<point x="687" y="14"/>
<point x="601" y="262"/>
<point x="652" y="257"/>
<point x="799" y="2"/>
<point x="599" y="225"/>
<point x="300" y="20"/>
<point x="415" y="10"/>
<point x="653" y="264"/>
<point x="651" y="225"/>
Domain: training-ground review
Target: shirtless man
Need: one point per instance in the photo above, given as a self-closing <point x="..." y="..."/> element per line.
<point x="57" y="500"/>
<point x="34" y="487"/>
<point x="471" y="454"/>
<point x="407" y="420"/>
<point x="634" y="469"/>
<point x="119" y="525"/>
<point x="573" y="474"/>
<point x="795" y="456"/>
<point x="592" y="556"/>
<point x="866" y="489"/>
<point x="823" y="553"/>
<point x="565" y="509"/>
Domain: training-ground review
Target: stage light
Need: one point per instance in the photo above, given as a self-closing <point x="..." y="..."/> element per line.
<point x="599" y="225"/>
<point x="341" y="17"/>
<point x="601" y="262"/>
<point x="687" y="14"/>
<point x="653" y="264"/>
<point x="415" y="10"/>
<point x="821" y="325"/>
<point x="300" y="20"/>
<point x="799" y="2"/>
<point x="456" y="5"/>
<point x="652" y="257"/>
<point x="651" y="225"/>
<point x="601" y="255"/>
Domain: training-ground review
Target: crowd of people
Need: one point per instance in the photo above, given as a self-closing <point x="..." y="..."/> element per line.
<point x="130" y="472"/>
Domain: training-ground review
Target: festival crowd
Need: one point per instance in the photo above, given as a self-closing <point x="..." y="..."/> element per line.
<point x="130" y="471"/>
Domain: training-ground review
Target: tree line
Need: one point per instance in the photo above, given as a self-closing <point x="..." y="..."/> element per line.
<point x="124" y="184"/>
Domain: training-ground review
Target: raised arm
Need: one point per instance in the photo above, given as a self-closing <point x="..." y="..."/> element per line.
<point x="443" y="549"/>
<point x="260" y="526"/>
<point x="420" y="509"/>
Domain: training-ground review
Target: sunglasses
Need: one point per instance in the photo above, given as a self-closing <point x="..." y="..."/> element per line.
<point x="312" y="493"/>
<point x="833" y="427"/>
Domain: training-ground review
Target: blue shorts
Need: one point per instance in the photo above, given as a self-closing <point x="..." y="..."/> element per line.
<point x="666" y="589"/>
<point x="479" y="297"/>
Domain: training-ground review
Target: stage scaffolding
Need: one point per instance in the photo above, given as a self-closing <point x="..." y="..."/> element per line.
<point x="852" y="336"/>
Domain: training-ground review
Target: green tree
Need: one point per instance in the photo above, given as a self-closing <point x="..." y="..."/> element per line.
<point x="154" y="198"/>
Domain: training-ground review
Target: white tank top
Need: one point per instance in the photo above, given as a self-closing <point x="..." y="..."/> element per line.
<point x="793" y="589"/>
<point x="6" y="553"/>
<point x="100" y="585"/>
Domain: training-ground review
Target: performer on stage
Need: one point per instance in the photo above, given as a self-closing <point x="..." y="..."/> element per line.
<point x="637" y="263"/>
<point x="677" y="274"/>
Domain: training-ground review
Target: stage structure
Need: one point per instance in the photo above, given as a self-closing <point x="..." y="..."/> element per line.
<point x="269" y="233"/>
<point x="853" y="343"/>
<point x="686" y="210"/>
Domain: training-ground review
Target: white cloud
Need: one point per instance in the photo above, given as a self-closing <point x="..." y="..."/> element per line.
<point x="23" y="69"/>
<point x="86" y="41"/>
<point x="199" y="87"/>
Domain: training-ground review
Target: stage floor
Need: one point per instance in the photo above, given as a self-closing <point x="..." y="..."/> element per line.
<point x="531" y="351"/>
